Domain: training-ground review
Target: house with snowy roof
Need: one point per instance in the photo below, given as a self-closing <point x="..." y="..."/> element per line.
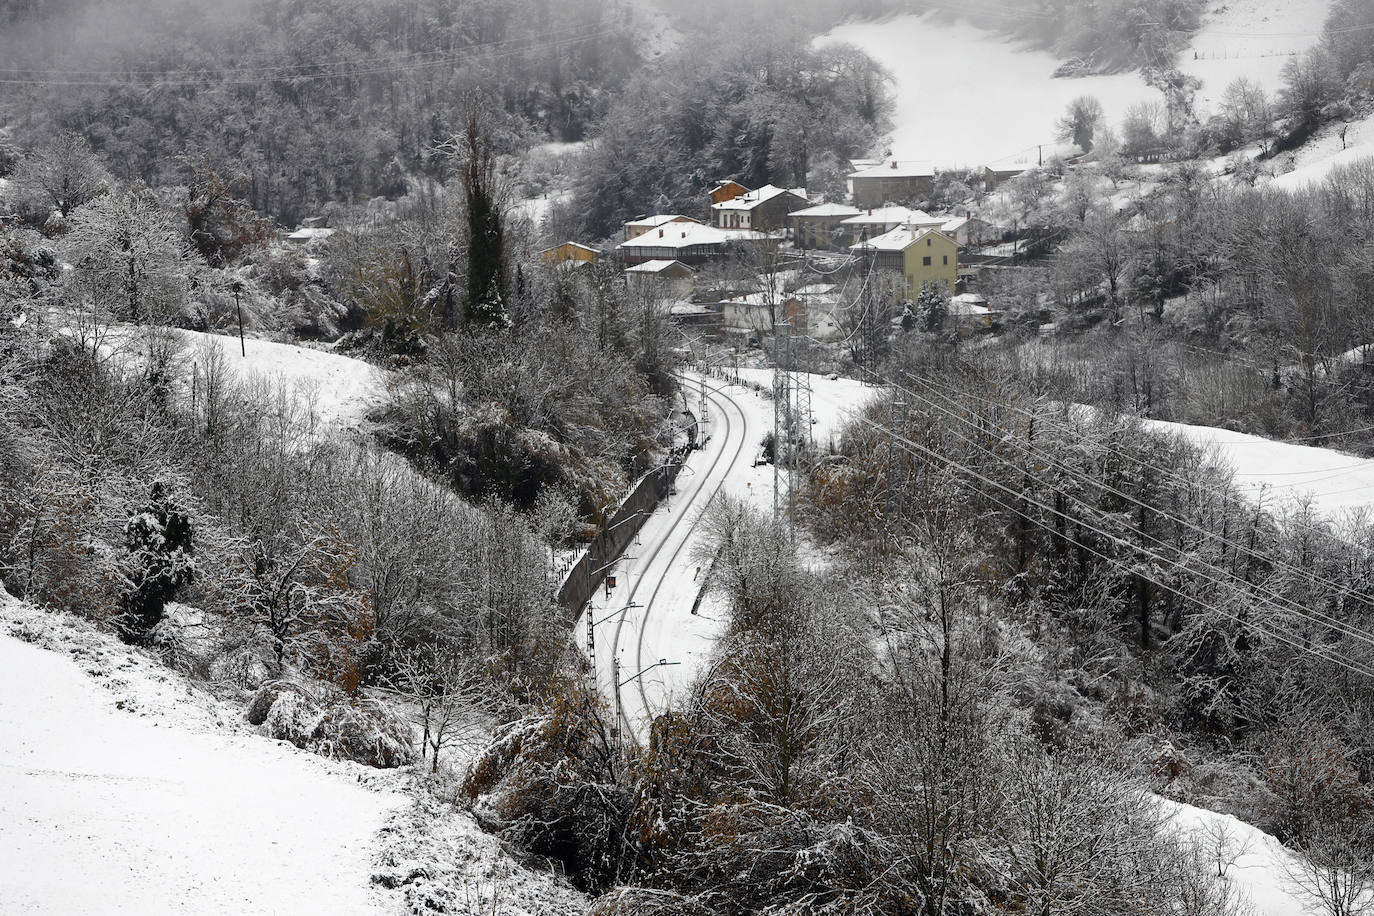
<point x="665" y="279"/>
<point x="688" y="242"/>
<point x="821" y="226"/>
<point x="891" y="181"/>
<point x="763" y="210"/>
<point x="923" y="255"/>
<point x="643" y="224"/>
<point x="570" y="253"/>
<point x="874" y="221"/>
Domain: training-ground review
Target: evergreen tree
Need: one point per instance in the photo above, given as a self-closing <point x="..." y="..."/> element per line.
<point x="158" y="560"/>
<point x="486" y="296"/>
<point x="933" y="306"/>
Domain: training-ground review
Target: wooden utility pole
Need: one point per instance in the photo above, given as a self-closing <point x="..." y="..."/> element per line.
<point x="238" y="288"/>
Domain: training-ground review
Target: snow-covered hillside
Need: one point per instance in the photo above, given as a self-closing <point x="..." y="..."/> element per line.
<point x="966" y="96"/>
<point x="124" y="790"/>
<point x="1249" y="38"/>
<point x="1257" y="865"/>
<point x="970" y="97"/>
<point x="340" y="388"/>
<point x="1310" y="164"/>
<point x="1281" y="474"/>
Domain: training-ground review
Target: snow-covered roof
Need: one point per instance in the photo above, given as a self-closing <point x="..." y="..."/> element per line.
<point x="897" y="168"/>
<point x="653" y="222"/>
<point x="969" y="304"/>
<point x="955" y="224"/>
<point x="899" y="239"/>
<point x="686" y="235"/>
<point x="828" y="210"/>
<point x="655" y="266"/>
<point x="754" y="198"/>
<point x="815" y="289"/>
<point x="572" y="245"/>
<point x="310" y="234"/>
<point x="892" y="216"/>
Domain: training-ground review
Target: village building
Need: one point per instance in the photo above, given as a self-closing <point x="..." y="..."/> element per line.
<point x="993" y="176"/>
<point x="970" y="312"/>
<point x="663" y="279"/>
<point x="970" y="231"/>
<point x="689" y="242"/>
<point x="764" y="210"/>
<point x="922" y="254"/>
<point x="727" y="190"/>
<point x="570" y="253"/>
<point x="893" y="181"/>
<point x="637" y="227"/>
<point x="876" y="221"/>
<point x="822" y="226"/>
<point x="313" y="229"/>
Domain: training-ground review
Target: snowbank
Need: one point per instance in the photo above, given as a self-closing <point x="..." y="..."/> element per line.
<point x="119" y="793"/>
<point x="971" y="97"/>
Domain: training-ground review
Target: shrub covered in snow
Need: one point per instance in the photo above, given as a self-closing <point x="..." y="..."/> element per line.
<point x="332" y="724"/>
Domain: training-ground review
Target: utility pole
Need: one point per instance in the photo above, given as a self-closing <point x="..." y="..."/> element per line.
<point x="237" y="287"/>
<point x="615" y="686"/>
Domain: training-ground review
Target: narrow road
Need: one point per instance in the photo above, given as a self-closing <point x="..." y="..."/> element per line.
<point x="659" y="580"/>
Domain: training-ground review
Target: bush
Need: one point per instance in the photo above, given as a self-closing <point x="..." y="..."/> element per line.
<point x="293" y="717"/>
<point x="339" y="727"/>
<point x="365" y="732"/>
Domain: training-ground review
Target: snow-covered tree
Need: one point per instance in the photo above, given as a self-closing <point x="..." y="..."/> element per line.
<point x="129" y="256"/>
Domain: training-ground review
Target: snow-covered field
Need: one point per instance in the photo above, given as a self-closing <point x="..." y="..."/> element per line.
<point x="340" y="388"/>
<point x="971" y="97"/>
<point x="1280" y="474"/>
<point x="1249" y="38"/>
<point x="124" y="790"/>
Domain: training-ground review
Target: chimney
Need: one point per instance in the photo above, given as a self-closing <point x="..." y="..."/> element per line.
<point x="894" y="165"/>
<point x="870" y="211"/>
<point x="660" y="233"/>
<point x="684" y="233"/>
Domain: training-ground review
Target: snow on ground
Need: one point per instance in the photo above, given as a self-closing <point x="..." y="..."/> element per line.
<point x="1259" y="864"/>
<point x="119" y="793"/>
<point x="1280" y="473"/>
<point x="1006" y="103"/>
<point x="342" y="388"/>
<point x="1249" y="38"/>
<point x="1315" y="163"/>
<point x="833" y="401"/>
<point x="536" y="208"/>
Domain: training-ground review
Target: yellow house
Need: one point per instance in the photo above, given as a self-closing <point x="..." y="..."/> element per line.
<point x="570" y="251"/>
<point x="921" y="253"/>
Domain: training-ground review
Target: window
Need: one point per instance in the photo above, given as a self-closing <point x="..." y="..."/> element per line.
<point x="945" y="259"/>
<point x="925" y="262"/>
<point x="927" y="243"/>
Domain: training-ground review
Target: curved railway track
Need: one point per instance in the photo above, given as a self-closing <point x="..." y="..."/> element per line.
<point x="732" y="422"/>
